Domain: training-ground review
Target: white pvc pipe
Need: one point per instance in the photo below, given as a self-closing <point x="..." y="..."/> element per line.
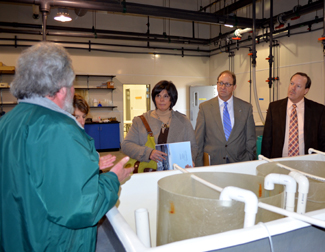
<point x="301" y="217"/>
<point x="202" y="181"/>
<point x="290" y="187"/>
<point x="256" y="96"/>
<point x="261" y="157"/>
<point x="303" y="189"/>
<point x="239" y="32"/>
<point x="311" y="150"/>
<point x="248" y="197"/>
<point x="142" y="226"/>
<point x="130" y="241"/>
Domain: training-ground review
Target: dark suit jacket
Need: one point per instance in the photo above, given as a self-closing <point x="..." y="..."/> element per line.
<point x="210" y="137"/>
<point x="274" y="129"/>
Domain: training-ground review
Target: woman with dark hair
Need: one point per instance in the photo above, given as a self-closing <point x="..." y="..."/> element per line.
<point x="81" y="109"/>
<point x="167" y="125"/>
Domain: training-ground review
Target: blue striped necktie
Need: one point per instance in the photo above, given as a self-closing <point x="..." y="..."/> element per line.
<point x="226" y="121"/>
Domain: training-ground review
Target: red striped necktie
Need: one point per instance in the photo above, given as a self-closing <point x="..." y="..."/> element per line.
<point x="293" y="145"/>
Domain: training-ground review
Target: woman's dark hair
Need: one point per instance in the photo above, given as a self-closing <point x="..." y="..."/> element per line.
<point x="170" y="88"/>
<point x="80" y="103"/>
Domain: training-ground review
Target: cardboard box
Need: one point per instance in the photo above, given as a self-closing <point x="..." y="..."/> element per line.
<point x="4" y="85"/>
<point x="110" y="84"/>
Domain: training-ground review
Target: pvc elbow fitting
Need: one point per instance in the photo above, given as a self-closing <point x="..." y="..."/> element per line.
<point x="281" y="179"/>
<point x="302" y="181"/>
<point x="246" y="196"/>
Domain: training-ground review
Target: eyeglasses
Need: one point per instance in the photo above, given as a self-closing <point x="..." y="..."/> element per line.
<point x="297" y="85"/>
<point x="224" y="83"/>
<point x="165" y="96"/>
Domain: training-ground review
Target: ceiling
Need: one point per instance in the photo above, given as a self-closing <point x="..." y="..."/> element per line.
<point x="199" y="24"/>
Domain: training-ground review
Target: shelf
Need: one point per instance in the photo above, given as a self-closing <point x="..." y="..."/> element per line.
<point x="94" y="75"/>
<point x="87" y="123"/>
<point x="94" y="88"/>
<point x="103" y="107"/>
<point x="4" y="87"/>
<point x="90" y="83"/>
<point x="9" y="103"/>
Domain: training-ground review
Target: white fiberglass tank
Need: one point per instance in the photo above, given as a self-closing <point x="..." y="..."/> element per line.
<point x="316" y="195"/>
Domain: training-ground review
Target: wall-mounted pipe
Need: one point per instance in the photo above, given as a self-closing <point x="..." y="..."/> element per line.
<point x="242" y="195"/>
<point x="271" y="48"/>
<point x="290" y="187"/>
<point x="303" y="188"/>
<point x="254" y="56"/>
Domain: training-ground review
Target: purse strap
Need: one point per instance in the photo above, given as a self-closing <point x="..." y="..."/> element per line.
<point x="146" y="125"/>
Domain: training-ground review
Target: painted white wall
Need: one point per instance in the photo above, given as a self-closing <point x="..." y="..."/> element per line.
<point x="134" y="69"/>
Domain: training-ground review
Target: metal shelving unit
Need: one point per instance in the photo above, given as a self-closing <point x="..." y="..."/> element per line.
<point x="89" y="87"/>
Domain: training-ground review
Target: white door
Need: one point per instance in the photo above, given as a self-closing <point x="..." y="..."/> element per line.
<point x="136" y="99"/>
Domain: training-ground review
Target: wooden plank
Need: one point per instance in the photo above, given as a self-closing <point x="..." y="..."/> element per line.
<point x="7" y="69"/>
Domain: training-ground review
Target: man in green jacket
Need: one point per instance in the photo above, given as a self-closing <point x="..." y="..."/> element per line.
<point x="52" y="194"/>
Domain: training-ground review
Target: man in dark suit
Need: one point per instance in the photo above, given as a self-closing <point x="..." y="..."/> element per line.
<point x="311" y="121"/>
<point x="225" y="127"/>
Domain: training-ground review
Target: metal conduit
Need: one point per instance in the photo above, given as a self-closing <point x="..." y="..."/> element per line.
<point x="140" y="9"/>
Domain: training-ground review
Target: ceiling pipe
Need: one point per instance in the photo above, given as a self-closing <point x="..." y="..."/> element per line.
<point x="190" y="40"/>
<point x="239" y="32"/>
<point x="44" y="21"/>
<point x="233" y="7"/>
<point x="99" y="44"/>
<point x="212" y="51"/>
<point x="150" y="10"/>
<point x="302" y="10"/>
<point x="141" y="9"/>
<point x="100" y="36"/>
<point x="283" y="30"/>
<point x="284" y="16"/>
<point x="208" y="6"/>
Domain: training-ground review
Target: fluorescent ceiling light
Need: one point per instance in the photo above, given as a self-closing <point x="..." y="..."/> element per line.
<point x="63" y="15"/>
<point x="228" y="25"/>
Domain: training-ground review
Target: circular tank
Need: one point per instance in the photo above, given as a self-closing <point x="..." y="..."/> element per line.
<point x="316" y="195"/>
<point x="188" y="209"/>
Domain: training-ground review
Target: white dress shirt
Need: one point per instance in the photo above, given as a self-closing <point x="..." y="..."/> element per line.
<point x="230" y="107"/>
<point x="301" y="115"/>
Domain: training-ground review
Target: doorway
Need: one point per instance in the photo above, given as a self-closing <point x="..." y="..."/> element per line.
<point x="136" y="101"/>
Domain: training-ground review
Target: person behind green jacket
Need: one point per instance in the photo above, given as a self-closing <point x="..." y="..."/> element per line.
<point x="52" y="194"/>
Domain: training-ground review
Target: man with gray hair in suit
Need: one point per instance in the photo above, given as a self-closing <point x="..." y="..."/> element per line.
<point x="225" y="127"/>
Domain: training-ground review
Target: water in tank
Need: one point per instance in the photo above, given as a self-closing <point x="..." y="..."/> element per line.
<point x="188" y="209"/>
